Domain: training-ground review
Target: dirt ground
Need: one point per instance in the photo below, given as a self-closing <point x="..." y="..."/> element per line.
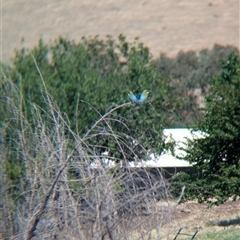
<point x="164" y="26"/>
<point x="192" y="215"/>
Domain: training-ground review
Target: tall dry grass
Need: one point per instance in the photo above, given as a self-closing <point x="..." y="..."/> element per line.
<point x="60" y="193"/>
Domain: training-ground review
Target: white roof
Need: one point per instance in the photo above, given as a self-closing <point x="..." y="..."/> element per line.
<point x="166" y="159"/>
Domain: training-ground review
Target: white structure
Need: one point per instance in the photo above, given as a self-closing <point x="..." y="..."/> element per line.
<point x="166" y="159"/>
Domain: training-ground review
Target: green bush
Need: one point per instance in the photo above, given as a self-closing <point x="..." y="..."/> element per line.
<point x="216" y="156"/>
<point x="92" y="77"/>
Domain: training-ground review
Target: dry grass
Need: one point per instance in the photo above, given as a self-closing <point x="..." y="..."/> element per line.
<point x="59" y="195"/>
<point x="164" y="26"/>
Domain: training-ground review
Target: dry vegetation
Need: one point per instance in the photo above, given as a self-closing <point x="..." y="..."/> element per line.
<point x="164" y="26"/>
<point x="61" y="196"/>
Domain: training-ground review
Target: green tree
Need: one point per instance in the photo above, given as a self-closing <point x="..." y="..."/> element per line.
<point x="87" y="80"/>
<point x="216" y="156"/>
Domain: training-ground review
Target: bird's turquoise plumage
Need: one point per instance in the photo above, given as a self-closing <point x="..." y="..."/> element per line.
<point x="138" y="100"/>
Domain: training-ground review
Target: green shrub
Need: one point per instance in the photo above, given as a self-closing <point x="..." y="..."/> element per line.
<point x="92" y="77"/>
<point x="216" y="156"/>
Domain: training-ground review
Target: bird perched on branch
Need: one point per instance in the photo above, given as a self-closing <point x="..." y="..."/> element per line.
<point x="140" y="99"/>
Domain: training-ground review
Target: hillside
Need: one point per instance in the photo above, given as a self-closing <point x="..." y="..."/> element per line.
<point x="164" y="26"/>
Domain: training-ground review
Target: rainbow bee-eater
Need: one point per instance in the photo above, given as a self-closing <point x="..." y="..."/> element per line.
<point x="140" y="99"/>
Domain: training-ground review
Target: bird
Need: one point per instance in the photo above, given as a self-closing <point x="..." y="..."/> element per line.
<point x="138" y="100"/>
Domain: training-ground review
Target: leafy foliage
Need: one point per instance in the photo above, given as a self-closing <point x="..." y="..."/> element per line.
<point x="89" y="79"/>
<point x="216" y="157"/>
